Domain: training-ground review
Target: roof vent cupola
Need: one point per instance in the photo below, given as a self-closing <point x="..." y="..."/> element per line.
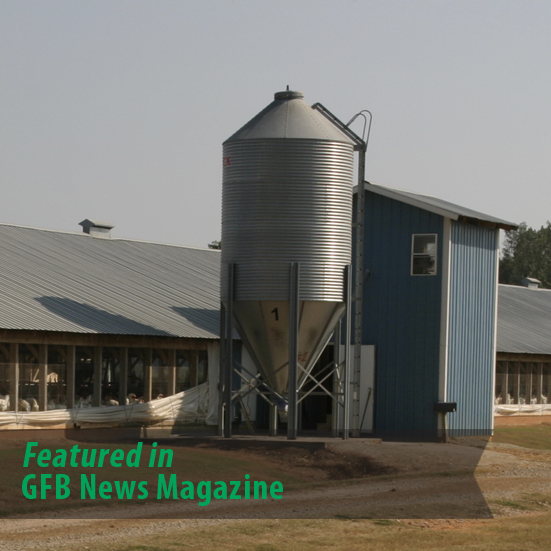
<point x="95" y="228"/>
<point x="531" y="282"/>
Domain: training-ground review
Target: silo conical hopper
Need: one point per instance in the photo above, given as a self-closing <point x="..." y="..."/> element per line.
<point x="287" y="197"/>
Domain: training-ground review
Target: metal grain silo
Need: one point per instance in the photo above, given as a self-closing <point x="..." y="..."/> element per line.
<point x="287" y="198"/>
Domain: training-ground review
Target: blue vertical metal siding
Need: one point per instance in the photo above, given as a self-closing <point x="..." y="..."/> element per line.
<point x="471" y="328"/>
<point x="402" y="318"/>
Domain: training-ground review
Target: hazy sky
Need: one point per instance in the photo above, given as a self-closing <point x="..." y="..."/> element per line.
<point x="117" y="110"/>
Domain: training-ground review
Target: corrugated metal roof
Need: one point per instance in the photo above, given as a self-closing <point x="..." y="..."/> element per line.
<point x="439" y="206"/>
<point x="524" y="320"/>
<point x="64" y="281"/>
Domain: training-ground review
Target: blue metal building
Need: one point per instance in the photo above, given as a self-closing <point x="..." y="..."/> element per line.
<point x="430" y="295"/>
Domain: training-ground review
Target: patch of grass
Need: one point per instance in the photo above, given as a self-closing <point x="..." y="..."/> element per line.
<point x="513" y="504"/>
<point x="538" y="437"/>
<point x="384" y="522"/>
<point x="530" y="502"/>
<point x="527" y="532"/>
<point x="541" y="499"/>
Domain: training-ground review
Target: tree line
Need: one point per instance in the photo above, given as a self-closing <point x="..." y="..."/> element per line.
<point x="526" y="253"/>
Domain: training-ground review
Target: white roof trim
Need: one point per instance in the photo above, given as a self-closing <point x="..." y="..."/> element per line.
<point x="437" y="206"/>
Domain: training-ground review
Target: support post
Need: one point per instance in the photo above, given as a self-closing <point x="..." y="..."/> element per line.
<point x="194" y="368"/>
<point x="336" y="381"/>
<point x="294" y="293"/>
<point x="98" y="361"/>
<point x="228" y="363"/>
<point x="70" y="361"/>
<point x="172" y="372"/>
<point x="14" y="376"/>
<point x="148" y="375"/>
<point x="358" y="293"/>
<point x="123" y="379"/>
<point x="272" y="429"/>
<point x="346" y="372"/>
<point x="221" y="369"/>
<point x="43" y="377"/>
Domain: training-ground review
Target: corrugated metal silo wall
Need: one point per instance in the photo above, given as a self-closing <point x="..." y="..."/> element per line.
<point x="471" y="354"/>
<point x="402" y="319"/>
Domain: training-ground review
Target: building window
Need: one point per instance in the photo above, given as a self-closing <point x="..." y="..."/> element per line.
<point x="423" y="254"/>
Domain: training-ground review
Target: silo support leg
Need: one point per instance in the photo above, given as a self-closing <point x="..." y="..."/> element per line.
<point x="273" y="420"/>
<point x="221" y="370"/>
<point x="346" y="372"/>
<point x="228" y="356"/>
<point x="336" y="381"/>
<point x="294" y="292"/>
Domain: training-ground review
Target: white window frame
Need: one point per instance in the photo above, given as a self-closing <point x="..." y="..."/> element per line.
<point x="413" y="254"/>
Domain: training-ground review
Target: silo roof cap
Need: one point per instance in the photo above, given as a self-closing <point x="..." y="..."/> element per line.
<point x="289" y="94"/>
<point x="289" y="116"/>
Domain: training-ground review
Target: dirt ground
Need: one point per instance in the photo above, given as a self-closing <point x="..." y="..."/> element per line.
<point x="436" y="485"/>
